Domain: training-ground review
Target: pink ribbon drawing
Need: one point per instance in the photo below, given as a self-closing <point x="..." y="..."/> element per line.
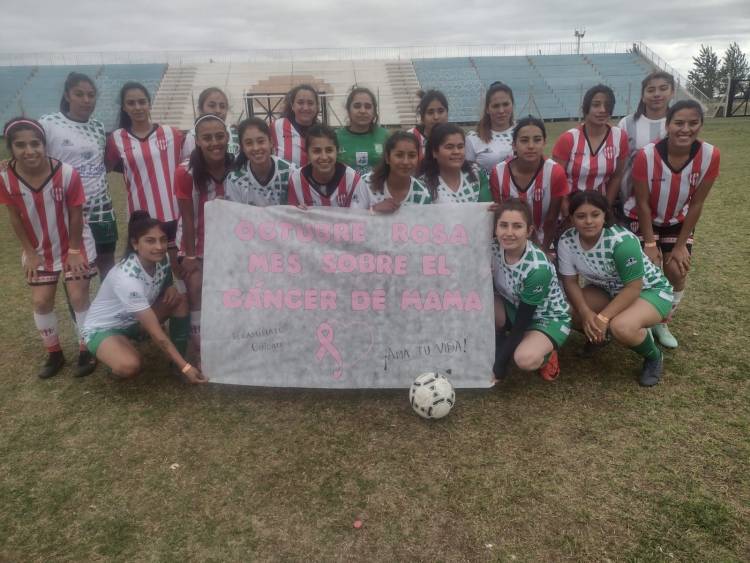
<point x="325" y="339"/>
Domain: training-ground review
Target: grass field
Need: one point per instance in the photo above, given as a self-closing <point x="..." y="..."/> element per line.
<point x="589" y="468"/>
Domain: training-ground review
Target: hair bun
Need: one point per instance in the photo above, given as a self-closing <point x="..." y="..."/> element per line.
<point x="139" y="215"/>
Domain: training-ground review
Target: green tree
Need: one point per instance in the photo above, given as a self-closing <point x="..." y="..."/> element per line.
<point x="733" y="65"/>
<point x="705" y="72"/>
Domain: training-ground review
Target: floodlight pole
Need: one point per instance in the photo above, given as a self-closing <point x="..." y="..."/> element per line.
<point x="579" y="35"/>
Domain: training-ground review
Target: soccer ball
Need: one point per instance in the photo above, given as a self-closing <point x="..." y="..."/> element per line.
<point x="432" y="395"/>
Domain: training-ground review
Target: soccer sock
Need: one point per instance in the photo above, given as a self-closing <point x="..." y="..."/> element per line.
<point x="676" y="298"/>
<point x="80" y="321"/>
<point x="647" y="348"/>
<point x="195" y="324"/>
<point x="498" y="368"/>
<point x="179" y="331"/>
<point x="46" y="324"/>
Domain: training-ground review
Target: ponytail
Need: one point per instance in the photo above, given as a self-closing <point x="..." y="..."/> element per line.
<point x="139" y="224"/>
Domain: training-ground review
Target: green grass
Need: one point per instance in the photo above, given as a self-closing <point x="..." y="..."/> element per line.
<point x="589" y="468"/>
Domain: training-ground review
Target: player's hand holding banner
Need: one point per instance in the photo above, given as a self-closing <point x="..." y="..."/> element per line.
<point x="336" y="298"/>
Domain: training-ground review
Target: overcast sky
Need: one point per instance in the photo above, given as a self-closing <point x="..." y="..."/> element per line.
<point x="673" y="28"/>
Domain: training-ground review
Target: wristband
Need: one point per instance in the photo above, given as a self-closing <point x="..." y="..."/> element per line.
<point x="602" y="318"/>
<point x="74" y="251"/>
<point x="651" y="244"/>
<point x="189" y="257"/>
<point x="186" y="368"/>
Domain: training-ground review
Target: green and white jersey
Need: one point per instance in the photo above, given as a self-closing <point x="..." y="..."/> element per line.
<point x="615" y="260"/>
<point x="361" y="151"/>
<point x="365" y="197"/>
<point x="128" y="289"/>
<point x="243" y="187"/>
<point x="470" y="191"/>
<point x="82" y="146"/>
<point x="531" y="280"/>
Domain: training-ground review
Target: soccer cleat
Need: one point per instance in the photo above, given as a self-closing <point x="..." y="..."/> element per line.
<point x="591" y="348"/>
<point x="86" y="364"/>
<point x="651" y="372"/>
<point x="55" y="362"/>
<point x="664" y="336"/>
<point x="551" y="370"/>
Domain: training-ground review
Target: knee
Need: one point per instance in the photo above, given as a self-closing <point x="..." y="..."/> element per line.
<point x="674" y="275"/>
<point x="621" y="329"/>
<point x="527" y="359"/>
<point x="127" y="368"/>
<point x="42" y="305"/>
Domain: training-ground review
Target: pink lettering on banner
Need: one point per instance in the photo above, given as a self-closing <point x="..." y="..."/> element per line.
<point x="232" y="298"/>
<point x="364" y="263"/>
<point x="435" y="301"/>
<point x="435" y="265"/>
<point x="423" y="234"/>
<point x="244" y="230"/>
<point x="366" y="301"/>
<point x="274" y="263"/>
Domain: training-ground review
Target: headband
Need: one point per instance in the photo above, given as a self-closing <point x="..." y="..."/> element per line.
<point x="34" y="124"/>
<point x="209" y="116"/>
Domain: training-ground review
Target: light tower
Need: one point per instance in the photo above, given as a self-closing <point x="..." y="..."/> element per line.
<point x="579" y="35"/>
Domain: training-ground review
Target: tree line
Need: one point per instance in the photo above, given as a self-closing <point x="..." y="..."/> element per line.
<point x="711" y="76"/>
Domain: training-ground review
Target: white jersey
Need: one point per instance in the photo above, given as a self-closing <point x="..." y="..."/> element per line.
<point x="82" y="144"/>
<point x="243" y="187"/>
<point x="149" y="166"/>
<point x="233" y="147"/>
<point x="44" y="212"/>
<point x="641" y="132"/>
<point x="302" y="191"/>
<point x="365" y="197"/>
<point x="128" y="289"/>
<point x="489" y="155"/>
<point x="469" y="191"/>
<point x="289" y="143"/>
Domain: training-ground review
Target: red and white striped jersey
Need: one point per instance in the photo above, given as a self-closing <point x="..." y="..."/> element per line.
<point x="587" y="169"/>
<point x="301" y="191"/>
<point x="289" y="143"/>
<point x="149" y="166"/>
<point x="185" y="188"/>
<point x="671" y="190"/>
<point x="44" y="212"/>
<point x="422" y="142"/>
<point x="549" y="182"/>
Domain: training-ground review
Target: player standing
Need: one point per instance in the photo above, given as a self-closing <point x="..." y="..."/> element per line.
<point x="301" y="107"/>
<point x="671" y="181"/>
<point x="361" y="142"/>
<point x="432" y="110"/>
<point x="539" y="182"/>
<point x="45" y="200"/>
<point x="212" y="100"/>
<point x="76" y="138"/>
<point x="492" y="142"/>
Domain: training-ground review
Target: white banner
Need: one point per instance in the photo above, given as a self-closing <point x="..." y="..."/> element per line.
<point x="338" y="298"/>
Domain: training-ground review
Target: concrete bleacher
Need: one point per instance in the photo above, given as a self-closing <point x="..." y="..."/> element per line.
<point x="458" y="79"/>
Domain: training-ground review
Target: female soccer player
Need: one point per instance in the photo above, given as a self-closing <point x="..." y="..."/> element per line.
<point x="301" y="106"/>
<point x="532" y="318"/>
<point x="147" y="154"/>
<point x="625" y="292"/>
<point x="594" y="153"/>
<point x="258" y="177"/>
<point x="361" y="142"/>
<point x="322" y="182"/>
<point x="446" y="172"/>
<point x="491" y="143"/>
<point x="197" y="181"/>
<point x="212" y="100"/>
<point x="537" y="181"/>
<point x="671" y="180"/>
<point x="432" y="110"/>
<point x="76" y="138"/>
<point x="648" y="123"/>
<point x="44" y="198"/>
<point x="392" y="183"/>
<point x="137" y="296"/>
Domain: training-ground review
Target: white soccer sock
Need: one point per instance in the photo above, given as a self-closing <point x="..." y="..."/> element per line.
<point x="80" y="321"/>
<point x="195" y="324"/>
<point x="46" y="324"/>
<point x="676" y="298"/>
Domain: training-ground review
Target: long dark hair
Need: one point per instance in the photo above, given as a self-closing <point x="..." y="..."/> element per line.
<point x="362" y="90"/>
<point x="206" y="93"/>
<point x="245" y="124"/>
<point x="684" y="104"/>
<point x="657" y="75"/>
<point x="289" y="100"/>
<point x="484" y="127"/>
<point x="73" y="79"/>
<point x="430" y="169"/>
<point x="588" y="97"/>
<point x="592" y="197"/>
<point x="425" y="99"/>
<point x="197" y="164"/>
<point x="381" y="171"/>
<point x="320" y="131"/>
<point x="139" y="224"/>
<point x="125" y="121"/>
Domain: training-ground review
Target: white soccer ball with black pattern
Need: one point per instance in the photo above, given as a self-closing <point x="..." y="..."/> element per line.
<point x="432" y="395"/>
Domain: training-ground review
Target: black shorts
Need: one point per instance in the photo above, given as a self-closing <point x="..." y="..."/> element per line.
<point x="665" y="237"/>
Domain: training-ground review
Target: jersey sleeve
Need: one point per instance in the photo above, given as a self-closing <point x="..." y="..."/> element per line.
<point x="484" y="187"/>
<point x="495" y="184"/>
<point x="470" y="153"/>
<point x="628" y="258"/>
<point x="713" y="168"/>
<point x="563" y="147"/>
<point x="5" y="198"/>
<point x="188" y="144"/>
<point x="361" y="197"/>
<point x="624" y="146"/>
<point x="536" y="286"/>
<point x="183" y="183"/>
<point x="565" y="264"/>
<point x="74" y="195"/>
<point x="639" y="172"/>
<point x="559" y="181"/>
<point x="131" y="294"/>
<point x="112" y="156"/>
<point x="291" y="192"/>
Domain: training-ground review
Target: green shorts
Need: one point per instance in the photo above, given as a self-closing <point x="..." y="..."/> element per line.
<point x="557" y="330"/>
<point x="105" y="235"/>
<point x="95" y="340"/>
<point x="661" y="300"/>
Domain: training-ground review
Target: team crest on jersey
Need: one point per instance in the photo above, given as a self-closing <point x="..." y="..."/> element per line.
<point x="57" y="192"/>
<point x="538" y="289"/>
<point x="362" y="159"/>
<point x="161" y="144"/>
<point x="609" y="153"/>
<point x="693" y="179"/>
<point x="538" y="194"/>
<point x="632" y="261"/>
<point x="67" y="143"/>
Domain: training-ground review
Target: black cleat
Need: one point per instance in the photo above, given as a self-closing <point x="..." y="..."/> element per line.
<point x="55" y="362"/>
<point x="86" y="364"/>
<point x="651" y="372"/>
